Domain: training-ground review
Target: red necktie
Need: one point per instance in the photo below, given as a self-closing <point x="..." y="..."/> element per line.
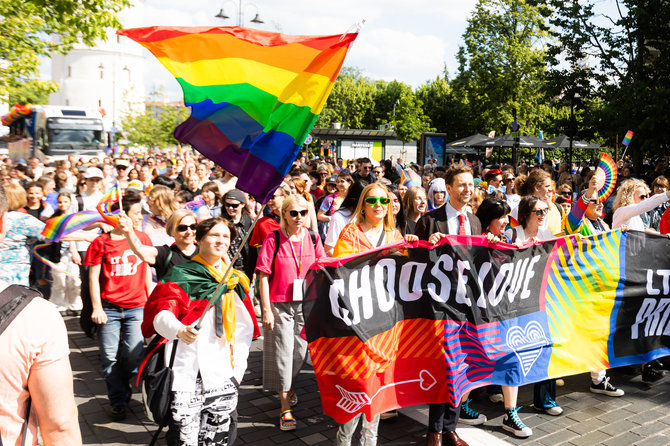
<point x="461" y="225"/>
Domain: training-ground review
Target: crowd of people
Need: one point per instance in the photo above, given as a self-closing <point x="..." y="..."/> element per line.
<point x="183" y="224"/>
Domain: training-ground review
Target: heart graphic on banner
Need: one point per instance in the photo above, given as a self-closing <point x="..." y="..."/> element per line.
<point x="527" y="344"/>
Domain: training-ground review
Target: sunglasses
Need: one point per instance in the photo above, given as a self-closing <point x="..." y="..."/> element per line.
<point x="183" y="228"/>
<point x="366" y="167"/>
<point x="295" y="213"/>
<point x="644" y="197"/>
<point x="121" y="167"/>
<point x="232" y="205"/>
<point x="566" y="194"/>
<point x="507" y="180"/>
<point x="541" y="212"/>
<point x="372" y="201"/>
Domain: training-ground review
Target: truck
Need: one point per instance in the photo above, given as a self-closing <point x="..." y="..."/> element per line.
<point x="55" y="131"/>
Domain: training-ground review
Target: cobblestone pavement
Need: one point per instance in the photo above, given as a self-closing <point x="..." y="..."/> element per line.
<point x="641" y="417"/>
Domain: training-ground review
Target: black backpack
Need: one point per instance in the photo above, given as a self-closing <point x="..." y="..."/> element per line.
<point x="12" y="300"/>
<point x="155" y="383"/>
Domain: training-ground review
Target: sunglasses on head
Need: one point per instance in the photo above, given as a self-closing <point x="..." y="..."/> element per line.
<point x="295" y="213"/>
<point x="183" y="228"/>
<point x="541" y="212"/>
<point x="232" y="205"/>
<point x="372" y="201"/>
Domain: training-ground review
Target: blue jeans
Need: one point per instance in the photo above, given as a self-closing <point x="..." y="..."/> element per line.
<point x="121" y="345"/>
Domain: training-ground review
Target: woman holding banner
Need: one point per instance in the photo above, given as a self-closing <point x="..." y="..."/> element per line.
<point x="540" y="185"/>
<point x="283" y="263"/>
<point x="372" y="226"/>
<point x="533" y="213"/>
<point x="494" y="216"/>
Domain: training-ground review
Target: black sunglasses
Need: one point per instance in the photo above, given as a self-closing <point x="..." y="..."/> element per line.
<point x="295" y="213"/>
<point x="644" y="197"/>
<point x="183" y="228"/>
<point x="541" y="212"/>
<point x="120" y="167"/>
<point x="232" y="205"/>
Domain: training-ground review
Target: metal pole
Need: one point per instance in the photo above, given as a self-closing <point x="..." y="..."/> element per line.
<point x="230" y="267"/>
<point x="240" y="17"/>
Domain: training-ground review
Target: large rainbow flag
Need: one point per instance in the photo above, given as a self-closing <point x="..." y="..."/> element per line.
<point x="254" y="95"/>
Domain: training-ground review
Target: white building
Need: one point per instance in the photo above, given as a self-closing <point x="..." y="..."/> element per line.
<point x="108" y="77"/>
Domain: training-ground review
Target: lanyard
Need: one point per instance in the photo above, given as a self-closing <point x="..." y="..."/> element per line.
<point x="298" y="262"/>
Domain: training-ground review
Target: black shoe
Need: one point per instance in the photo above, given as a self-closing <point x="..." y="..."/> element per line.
<point x="606" y="388"/>
<point x="512" y="423"/>
<point x="469" y="416"/>
<point x="651" y="374"/>
<point x="118" y="413"/>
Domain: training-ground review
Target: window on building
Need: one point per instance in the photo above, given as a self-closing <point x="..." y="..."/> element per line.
<point x="69" y="71"/>
<point x="99" y="102"/>
<point x="101" y="67"/>
<point x="67" y="102"/>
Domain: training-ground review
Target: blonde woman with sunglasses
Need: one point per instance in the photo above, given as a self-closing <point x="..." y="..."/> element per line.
<point x="371" y="226"/>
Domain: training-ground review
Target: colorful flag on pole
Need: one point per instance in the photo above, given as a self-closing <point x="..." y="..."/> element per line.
<point x="254" y="95"/>
<point x="104" y="207"/>
<point x="58" y="227"/>
<point x="627" y="138"/>
<point x="409" y="178"/>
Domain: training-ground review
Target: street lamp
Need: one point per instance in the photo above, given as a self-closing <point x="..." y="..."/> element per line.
<point x="240" y="13"/>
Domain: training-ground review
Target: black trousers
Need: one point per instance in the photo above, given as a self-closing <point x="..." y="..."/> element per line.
<point x="443" y="417"/>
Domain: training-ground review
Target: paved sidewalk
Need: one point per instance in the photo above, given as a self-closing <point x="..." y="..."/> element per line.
<point x="641" y="417"/>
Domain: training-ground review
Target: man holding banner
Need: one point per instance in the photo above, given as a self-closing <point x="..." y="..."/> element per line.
<point x="451" y="218"/>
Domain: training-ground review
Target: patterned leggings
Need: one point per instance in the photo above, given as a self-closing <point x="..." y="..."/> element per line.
<point x="203" y="417"/>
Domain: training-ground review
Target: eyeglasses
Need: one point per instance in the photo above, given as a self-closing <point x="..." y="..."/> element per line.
<point x="183" y="228"/>
<point x="232" y="205"/>
<point x="541" y="212"/>
<point x="372" y="201"/>
<point x="295" y="213"/>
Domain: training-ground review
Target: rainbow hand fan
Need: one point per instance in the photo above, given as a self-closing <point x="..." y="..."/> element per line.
<point x="608" y="167"/>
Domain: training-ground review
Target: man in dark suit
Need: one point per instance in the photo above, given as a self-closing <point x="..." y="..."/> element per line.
<point x="452" y="218"/>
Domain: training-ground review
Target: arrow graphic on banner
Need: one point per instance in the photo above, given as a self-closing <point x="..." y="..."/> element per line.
<point x="353" y="401"/>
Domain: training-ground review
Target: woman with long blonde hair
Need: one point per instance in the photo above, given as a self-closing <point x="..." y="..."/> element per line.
<point x="161" y="204"/>
<point x="634" y="198"/>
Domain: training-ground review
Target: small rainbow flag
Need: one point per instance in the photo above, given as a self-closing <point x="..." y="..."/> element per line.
<point x="162" y="168"/>
<point x="58" y="227"/>
<point x="409" y="178"/>
<point x="254" y="95"/>
<point x="104" y="207"/>
<point x="627" y="138"/>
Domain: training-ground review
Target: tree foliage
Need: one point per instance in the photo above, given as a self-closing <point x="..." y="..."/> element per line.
<point x="34" y="28"/>
<point x="155" y="126"/>
<point x="408" y="119"/>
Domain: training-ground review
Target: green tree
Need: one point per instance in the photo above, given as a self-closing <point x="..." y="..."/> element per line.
<point x="35" y="92"/>
<point x="619" y="63"/>
<point x="444" y="107"/>
<point x="155" y="126"/>
<point x="408" y="119"/>
<point x="34" y="28"/>
<point x="350" y="102"/>
<point x="501" y="65"/>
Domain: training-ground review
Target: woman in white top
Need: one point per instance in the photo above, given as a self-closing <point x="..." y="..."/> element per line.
<point x="633" y="199"/>
<point x="532" y="215"/>
<point x="343" y="216"/>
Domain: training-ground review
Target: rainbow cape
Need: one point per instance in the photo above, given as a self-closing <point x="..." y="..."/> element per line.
<point x="254" y="95"/>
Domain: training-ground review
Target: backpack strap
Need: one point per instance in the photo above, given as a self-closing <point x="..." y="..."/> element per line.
<point x="312" y="236"/>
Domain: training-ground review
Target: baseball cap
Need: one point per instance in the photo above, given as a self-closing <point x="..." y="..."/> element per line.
<point x="332" y="180"/>
<point x="236" y="194"/>
<point x="93" y="172"/>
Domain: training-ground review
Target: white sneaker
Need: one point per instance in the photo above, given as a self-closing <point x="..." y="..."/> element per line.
<point x="496" y="398"/>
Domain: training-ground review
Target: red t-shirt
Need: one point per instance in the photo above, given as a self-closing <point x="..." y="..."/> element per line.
<point x="264" y="226"/>
<point x="124" y="275"/>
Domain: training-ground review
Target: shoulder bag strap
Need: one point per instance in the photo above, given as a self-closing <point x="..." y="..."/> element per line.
<point x="274" y="255"/>
<point x="160" y="427"/>
<point x="381" y="238"/>
<point x="24" y="430"/>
